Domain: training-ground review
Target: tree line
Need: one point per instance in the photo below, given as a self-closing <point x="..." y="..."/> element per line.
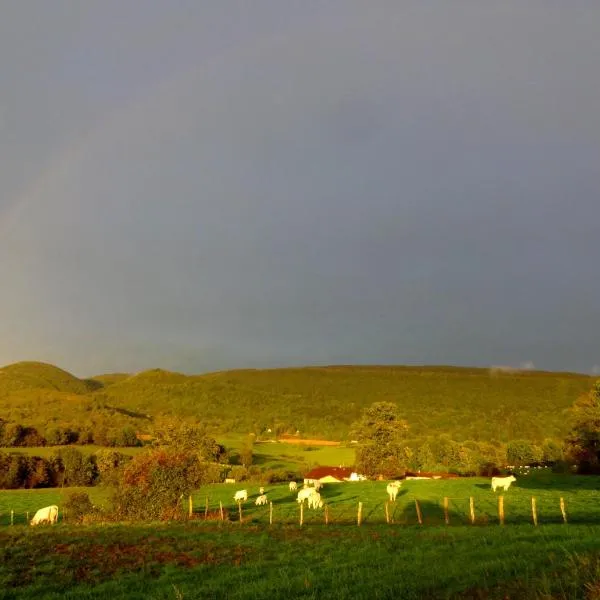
<point x="18" y="435"/>
<point x="384" y="447"/>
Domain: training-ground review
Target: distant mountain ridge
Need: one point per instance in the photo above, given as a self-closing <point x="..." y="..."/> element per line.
<point x="465" y="403"/>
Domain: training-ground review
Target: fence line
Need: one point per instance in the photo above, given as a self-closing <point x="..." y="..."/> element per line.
<point x="446" y="510"/>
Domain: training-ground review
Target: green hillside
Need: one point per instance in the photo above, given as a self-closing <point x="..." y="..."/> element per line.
<point x="110" y="378"/>
<point x="43" y="396"/>
<point x="465" y="403"/>
<point x="23" y="376"/>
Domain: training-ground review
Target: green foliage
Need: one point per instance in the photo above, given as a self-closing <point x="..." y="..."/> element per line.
<point x="77" y="468"/>
<point x="523" y="452"/>
<point x="190" y="437"/>
<point x="109" y="462"/>
<point x="466" y="404"/>
<point x="381" y="435"/>
<point x="584" y="437"/>
<point x="78" y="505"/>
<point x="153" y="483"/>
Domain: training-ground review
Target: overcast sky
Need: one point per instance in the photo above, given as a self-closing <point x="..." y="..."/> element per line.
<point x="210" y="185"/>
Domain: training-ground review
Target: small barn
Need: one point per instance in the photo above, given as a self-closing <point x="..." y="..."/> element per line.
<point x="328" y="475"/>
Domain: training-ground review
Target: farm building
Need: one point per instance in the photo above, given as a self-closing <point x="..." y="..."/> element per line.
<point x="330" y="475"/>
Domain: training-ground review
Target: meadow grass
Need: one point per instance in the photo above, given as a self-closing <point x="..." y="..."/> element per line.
<point x="581" y="495"/>
<point x="212" y="559"/>
<point x="206" y="560"/>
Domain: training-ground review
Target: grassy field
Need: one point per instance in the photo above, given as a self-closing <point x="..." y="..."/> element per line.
<point x="205" y="560"/>
<point x="209" y="559"/>
<point x="581" y="495"/>
<point x="266" y="455"/>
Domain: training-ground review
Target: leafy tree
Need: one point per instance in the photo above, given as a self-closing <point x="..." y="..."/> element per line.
<point x="77" y="468"/>
<point x="584" y="439"/>
<point x="153" y="484"/>
<point x="78" y="505"/>
<point x="522" y="452"/>
<point x="109" y="462"/>
<point x="381" y="435"/>
<point x="246" y="452"/>
<point x="189" y="437"/>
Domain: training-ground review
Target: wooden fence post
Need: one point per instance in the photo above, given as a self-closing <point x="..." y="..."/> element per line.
<point x="240" y="511"/>
<point x="563" y="510"/>
<point x="221" y="510"/>
<point x="301" y="513"/>
<point x="326" y="514"/>
<point x="270" y="513"/>
<point x="472" y="510"/>
<point x="27" y="517"/>
<point x="206" y="509"/>
<point x="419" y="516"/>
<point x="501" y="509"/>
<point x="190" y="506"/>
<point x="387" y="513"/>
<point x="359" y="515"/>
<point x="446" y="515"/>
<point x="12" y="517"/>
<point x="534" y="511"/>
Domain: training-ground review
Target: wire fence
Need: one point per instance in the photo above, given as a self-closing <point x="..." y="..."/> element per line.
<point x="451" y="511"/>
<point x="469" y="510"/>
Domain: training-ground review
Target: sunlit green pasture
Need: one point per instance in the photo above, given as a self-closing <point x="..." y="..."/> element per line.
<point x="581" y="496"/>
<point x="210" y="560"/>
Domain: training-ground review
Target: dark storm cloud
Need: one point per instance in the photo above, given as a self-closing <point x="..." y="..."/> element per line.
<point x="199" y="187"/>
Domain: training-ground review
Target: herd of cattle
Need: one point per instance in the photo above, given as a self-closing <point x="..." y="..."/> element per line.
<point x="49" y="514"/>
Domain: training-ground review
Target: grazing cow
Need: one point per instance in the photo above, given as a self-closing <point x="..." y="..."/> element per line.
<point x="305" y="494"/>
<point x="314" y="501"/>
<point x="262" y="499"/>
<point x="293" y="486"/>
<point x="318" y="485"/>
<point x="241" y="496"/>
<point x="261" y="490"/>
<point x="392" y="490"/>
<point x="502" y="482"/>
<point x="49" y="514"/>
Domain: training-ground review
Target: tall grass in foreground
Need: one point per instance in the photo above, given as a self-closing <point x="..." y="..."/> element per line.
<point x="207" y="560"/>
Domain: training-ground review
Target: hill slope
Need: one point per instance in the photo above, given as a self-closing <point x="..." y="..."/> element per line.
<point x="23" y="376"/>
<point x="464" y="403"/>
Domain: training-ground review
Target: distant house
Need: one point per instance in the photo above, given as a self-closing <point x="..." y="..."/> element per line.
<point x="328" y="475"/>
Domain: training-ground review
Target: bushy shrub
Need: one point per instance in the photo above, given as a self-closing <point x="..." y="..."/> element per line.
<point x="153" y="484"/>
<point x="77" y="506"/>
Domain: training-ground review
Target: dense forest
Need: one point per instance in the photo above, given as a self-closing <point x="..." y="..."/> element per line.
<point x="41" y="403"/>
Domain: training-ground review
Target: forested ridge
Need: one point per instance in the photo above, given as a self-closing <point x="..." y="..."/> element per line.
<point x="463" y="403"/>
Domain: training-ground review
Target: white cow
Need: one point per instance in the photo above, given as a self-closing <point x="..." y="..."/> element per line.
<point x="49" y="514"/>
<point x="262" y="499"/>
<point x="318" y="485"/>
<point x="261" y="490"/>
<point x="502" y="482"/>
<point x="392" y="489"/>
<point x="314" y="501"/>
<point x="241" y="496"/>
<point x="293" y="486"/>
<point x="305" y="494"/>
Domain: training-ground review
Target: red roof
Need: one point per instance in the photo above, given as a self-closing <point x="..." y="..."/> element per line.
<point x="337" y="472"/>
